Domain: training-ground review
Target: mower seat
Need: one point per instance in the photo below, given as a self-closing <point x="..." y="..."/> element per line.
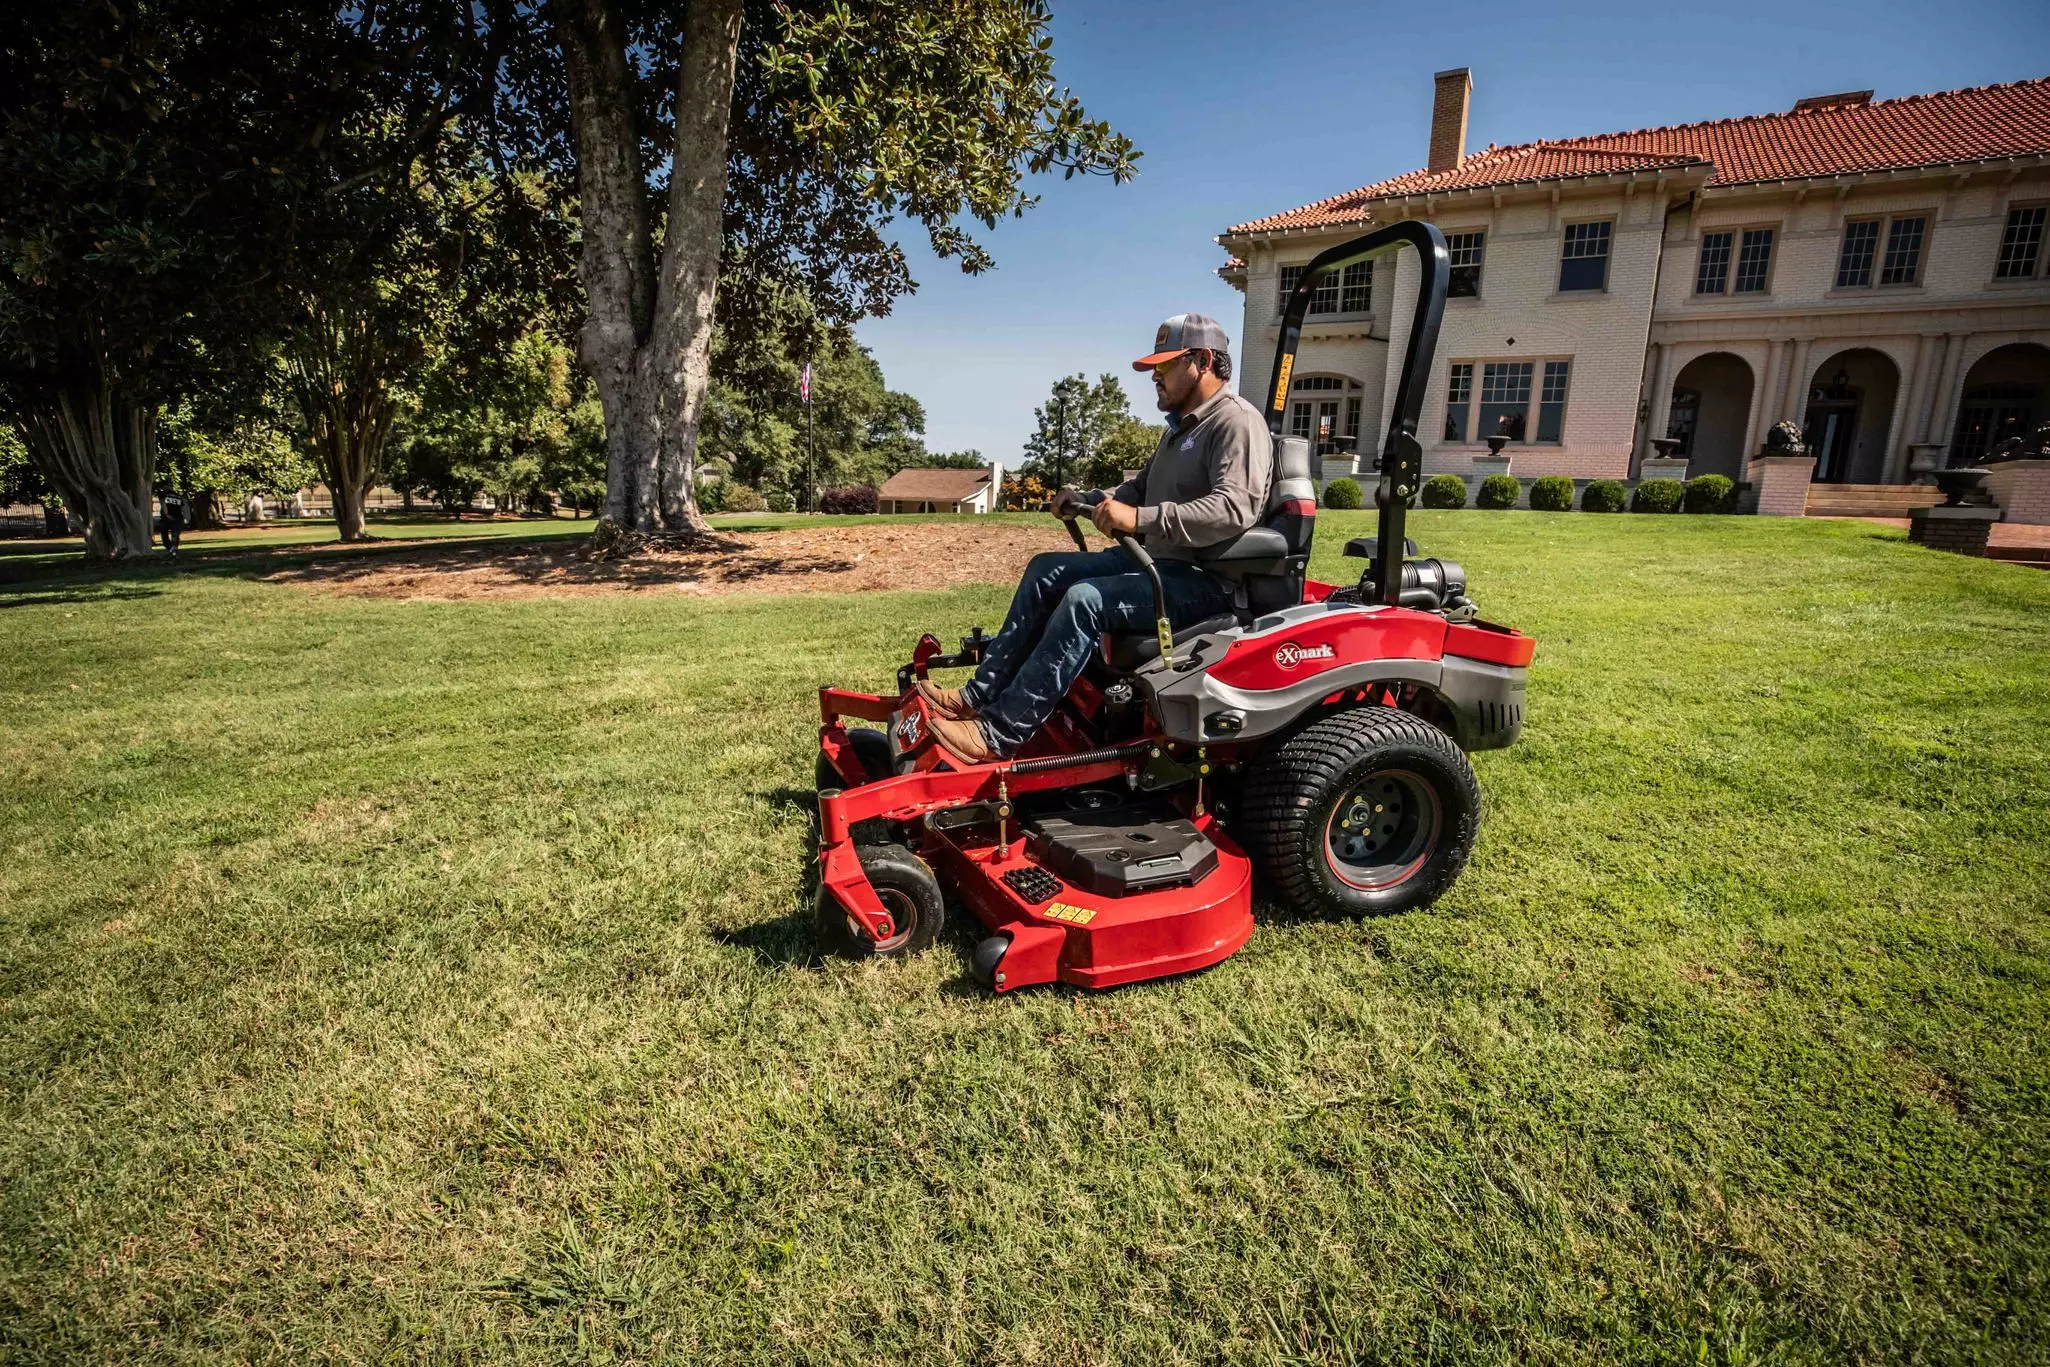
<point x="1267" y="560"/>
<point x="1272" y="558"/>
<point x="1125" y="651"/>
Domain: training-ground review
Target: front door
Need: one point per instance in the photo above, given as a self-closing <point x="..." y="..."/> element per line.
<point x="1832" y="427"/>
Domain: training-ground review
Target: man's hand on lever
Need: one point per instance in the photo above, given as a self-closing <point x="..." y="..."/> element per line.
<point x="1113" y="518"/>
<point x="1068" y="503"/>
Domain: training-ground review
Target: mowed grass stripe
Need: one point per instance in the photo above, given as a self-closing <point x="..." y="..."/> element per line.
<point x="415" y="979"/>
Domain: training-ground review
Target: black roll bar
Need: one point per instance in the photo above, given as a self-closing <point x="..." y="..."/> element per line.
<point x="1402" y="458"/>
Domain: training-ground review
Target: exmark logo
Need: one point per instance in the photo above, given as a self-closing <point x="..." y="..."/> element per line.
<point x="908" y="732"/>
<point x="1288" y="654"/>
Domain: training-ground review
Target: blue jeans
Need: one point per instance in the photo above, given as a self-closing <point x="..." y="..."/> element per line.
<point x="1066" y="601"/>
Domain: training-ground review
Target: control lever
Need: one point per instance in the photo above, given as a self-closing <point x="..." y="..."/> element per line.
<point x="1162" y="628"/>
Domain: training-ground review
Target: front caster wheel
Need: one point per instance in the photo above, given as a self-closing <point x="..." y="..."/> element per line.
<point x="1370" y="811"/>
<point x="987" y="965"/>
<point x="905" y="886"/>
<point x="872" y="748"/>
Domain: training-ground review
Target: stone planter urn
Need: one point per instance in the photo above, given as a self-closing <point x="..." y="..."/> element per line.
<point x="1962" y="487"/>
<point x="1662" y="463"/>
<point x="1925" y="458"/>
<point x="1496" y="461"/>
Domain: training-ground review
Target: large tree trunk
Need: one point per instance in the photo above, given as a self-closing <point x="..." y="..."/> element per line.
<point x="648" y="338"/>
<point x="335" y="369"/>
<point x="98" y="448"/>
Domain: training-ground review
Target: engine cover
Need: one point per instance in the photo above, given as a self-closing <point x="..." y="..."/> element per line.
<point x="1117" y="850"/>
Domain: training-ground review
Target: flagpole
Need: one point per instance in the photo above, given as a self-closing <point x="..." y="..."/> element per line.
<point x="811" y="478"/>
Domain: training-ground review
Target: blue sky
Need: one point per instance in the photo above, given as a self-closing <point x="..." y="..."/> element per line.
<point x="1248" y="109"/>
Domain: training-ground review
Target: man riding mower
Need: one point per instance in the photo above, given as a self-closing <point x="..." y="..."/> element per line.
<point x="1157" y="721"/>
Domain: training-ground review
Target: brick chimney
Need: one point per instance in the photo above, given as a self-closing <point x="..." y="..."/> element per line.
<point x="1448" y="118"/>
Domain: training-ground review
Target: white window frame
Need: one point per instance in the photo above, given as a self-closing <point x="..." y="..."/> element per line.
<point x="1608" y="257"/>
<point x="1885" y="222"/>
<point x="2042" y="267"/>
<point x="1772" y="257"/>
<point x="1479" y="262"/>
<point x="1334" y="283"/>
<point x="1476" y="386"/>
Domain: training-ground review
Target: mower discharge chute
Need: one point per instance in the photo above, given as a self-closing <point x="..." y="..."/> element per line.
<point x="1317" y="736"/>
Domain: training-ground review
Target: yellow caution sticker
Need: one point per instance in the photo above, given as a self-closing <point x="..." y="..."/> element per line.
<point x="1073" y="915"/>
<point x="1281" y="382"/>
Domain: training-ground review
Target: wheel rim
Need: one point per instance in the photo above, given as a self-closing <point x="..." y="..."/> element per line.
<point x="903" y="915"/>
<point x="1382" y="830"/>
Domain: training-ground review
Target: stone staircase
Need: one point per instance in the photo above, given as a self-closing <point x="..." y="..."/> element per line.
<point x="1870" y="500"/>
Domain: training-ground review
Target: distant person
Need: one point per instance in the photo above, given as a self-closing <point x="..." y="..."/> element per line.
<point x="1206" y="482"/>
<point x="171" y="518"/>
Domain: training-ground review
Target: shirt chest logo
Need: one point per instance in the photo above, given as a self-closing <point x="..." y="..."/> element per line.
<point x="1189" y="445"/>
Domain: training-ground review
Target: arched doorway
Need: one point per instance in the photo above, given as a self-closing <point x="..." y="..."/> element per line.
<point x="1326" y="410"/>
<point x="2006" y="394"/>
<point x="1711" y="410"/>
<point x="1850" y="416"/>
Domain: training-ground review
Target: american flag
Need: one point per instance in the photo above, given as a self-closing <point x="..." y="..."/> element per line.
<point x="804" y="385"/>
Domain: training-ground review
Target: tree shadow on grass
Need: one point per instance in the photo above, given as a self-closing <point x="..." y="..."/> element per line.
<point x="31" y="598"/>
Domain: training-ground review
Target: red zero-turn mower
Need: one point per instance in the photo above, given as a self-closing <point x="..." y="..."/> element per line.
<point x="1317" y="735"/>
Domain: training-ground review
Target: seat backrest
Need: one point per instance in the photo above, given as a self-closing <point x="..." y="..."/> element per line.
<point x="1292" y="511"/>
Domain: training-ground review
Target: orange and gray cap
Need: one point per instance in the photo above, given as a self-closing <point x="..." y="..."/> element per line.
<point x="1184" y="332"/>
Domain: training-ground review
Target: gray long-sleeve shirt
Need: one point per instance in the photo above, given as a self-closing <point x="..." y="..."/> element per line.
<point x="1207" y="481"/>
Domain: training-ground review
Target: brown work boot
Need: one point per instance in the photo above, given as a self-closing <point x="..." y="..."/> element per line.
<point x="944" y="702"/>
<point x="963" y="739"/>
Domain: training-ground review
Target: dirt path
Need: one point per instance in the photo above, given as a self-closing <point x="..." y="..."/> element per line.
<point x="853" y="559"/>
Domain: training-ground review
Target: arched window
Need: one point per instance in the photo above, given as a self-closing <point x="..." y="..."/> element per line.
<point x="1326" y="410"/>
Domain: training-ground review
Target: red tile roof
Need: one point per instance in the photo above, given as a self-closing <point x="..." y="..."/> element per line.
<point x="926" y="484"/>
<point x="1942" y="129"/>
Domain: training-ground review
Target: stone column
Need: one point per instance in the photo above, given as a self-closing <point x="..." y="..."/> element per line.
<point x="1661" y="397"/>
<point x="1894" y="458"/>
<point x="1925" y="410"/>
<point x="1943" y="412"/>
<point x="1794" y="399"/>
<point x="1765" y="395"/>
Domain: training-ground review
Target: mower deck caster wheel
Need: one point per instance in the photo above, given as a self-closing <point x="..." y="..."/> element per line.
<point x="988" y="961"/>
<point x="872" y="748"/>
<point x="905" y="885"/>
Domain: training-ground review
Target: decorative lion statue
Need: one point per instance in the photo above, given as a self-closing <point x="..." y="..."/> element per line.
<point x="1784" y="439"/>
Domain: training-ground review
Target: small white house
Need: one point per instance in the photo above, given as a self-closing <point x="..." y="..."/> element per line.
<point x="921" y="489"/>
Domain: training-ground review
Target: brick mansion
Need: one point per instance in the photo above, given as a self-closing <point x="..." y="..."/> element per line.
<point x="1872" y="270"/>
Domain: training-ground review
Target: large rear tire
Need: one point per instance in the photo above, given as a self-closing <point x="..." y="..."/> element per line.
<point x="905" y="885"/>
<point x="1367" y="812"/>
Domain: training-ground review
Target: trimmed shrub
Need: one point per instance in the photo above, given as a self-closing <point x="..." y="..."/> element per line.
<point x="1552" y="494"/>
<point x="780" y="502"/>
<point x="1711" y="494"/>
<point x="1498" y="491"/>
<point x="742" y="498"/>
<point x="1444" y="491"/>
<point x="1343" y="493"/>
<point x="1604" y="496"/>
<point x="1658" y="496"/>
<point x="849" y="498"/>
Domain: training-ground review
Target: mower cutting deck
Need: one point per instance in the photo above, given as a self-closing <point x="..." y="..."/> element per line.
<point x="1326" y="727"/>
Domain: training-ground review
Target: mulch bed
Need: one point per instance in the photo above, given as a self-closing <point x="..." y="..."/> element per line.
<point x="858" y="558"/>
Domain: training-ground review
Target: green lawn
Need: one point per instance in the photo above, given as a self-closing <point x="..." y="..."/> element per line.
<point x="414" y="980"/>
